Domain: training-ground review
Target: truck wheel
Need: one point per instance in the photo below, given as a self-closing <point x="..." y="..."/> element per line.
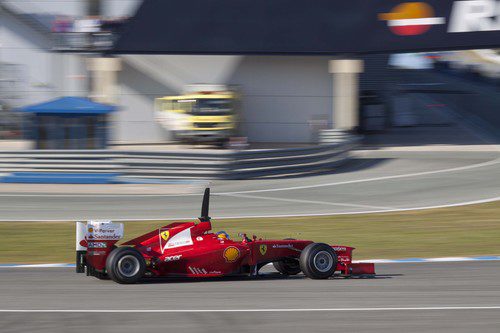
<point x="125" y="265"/>
<point x="287" y="266"/>
<point x="318" y="261"/>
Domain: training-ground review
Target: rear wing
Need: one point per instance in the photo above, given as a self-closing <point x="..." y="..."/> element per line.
<point x="94" y="236"/>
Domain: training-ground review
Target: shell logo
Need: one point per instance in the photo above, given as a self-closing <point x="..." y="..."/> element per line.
<point x="411" y="18"/>
<point x="231" y="254"/>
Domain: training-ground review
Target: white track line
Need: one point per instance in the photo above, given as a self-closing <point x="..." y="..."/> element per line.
<point x="416" y="174"/>
<point x="356" y="181"/>
<point x="305" y="201"/>
<point x="466" y="203"/>
<point x="163" y="218"/>
<point x="423" y="308"/>
<point x="54" y="265"/>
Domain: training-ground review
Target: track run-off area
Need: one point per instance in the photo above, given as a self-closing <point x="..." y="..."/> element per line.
<point x="440" y="296"/>
<point x="410" y="297"/>
<point x="373" y="181"/>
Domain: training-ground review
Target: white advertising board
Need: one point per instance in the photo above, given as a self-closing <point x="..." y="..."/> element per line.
<point x="104" y="230"/>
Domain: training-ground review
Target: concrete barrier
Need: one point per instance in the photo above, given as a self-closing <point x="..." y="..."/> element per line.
<point x="199" y="164"/>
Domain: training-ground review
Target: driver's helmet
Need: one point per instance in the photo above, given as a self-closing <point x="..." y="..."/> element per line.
<point x="222" y="235"/>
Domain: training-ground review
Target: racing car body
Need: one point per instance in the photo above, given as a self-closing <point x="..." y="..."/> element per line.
<point x="190" y="250"/>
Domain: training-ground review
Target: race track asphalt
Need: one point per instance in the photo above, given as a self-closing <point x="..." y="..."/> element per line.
<point x="417" y="297"/>
<point x="373" y="181"/>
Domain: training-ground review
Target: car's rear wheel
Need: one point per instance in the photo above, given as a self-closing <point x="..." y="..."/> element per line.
<point x="125" y="265"/>
<point x="318" y="261"/>
<point x="287" y="266"/>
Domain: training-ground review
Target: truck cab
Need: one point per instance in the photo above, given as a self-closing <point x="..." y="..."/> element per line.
<point x="203" y="114"/>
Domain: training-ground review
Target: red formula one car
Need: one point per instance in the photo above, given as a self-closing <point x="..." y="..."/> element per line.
<point x="190" y="250"/>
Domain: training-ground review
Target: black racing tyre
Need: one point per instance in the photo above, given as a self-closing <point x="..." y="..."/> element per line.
<point x="101" y="276"/>
<point x="318" y="261"/>
<point x="125" y="265"/>
<point x="287" y="266"/>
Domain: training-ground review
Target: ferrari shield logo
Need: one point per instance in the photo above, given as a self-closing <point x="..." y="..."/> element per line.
<point x="164" y="235"/>
<point x="263" y="249"/>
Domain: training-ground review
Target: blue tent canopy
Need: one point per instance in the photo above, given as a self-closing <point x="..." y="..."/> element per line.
<point x="70" y="105"/>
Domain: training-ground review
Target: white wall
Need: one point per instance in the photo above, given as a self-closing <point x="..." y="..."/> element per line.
<point x="61" y="7"/>
<point x="118" y="8"/>
<point x="280" y="94"/>
<point x="45" y="75"/>
<point x="134" y="122"/>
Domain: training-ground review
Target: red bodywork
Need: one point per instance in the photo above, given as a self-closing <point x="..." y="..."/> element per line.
<point x="191" y="250"/>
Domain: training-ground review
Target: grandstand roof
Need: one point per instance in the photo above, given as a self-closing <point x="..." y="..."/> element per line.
<point x="301" y="27"/>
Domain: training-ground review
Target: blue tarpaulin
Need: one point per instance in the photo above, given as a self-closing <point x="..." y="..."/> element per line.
<point x="70" y="105"/>
<point x="84" y="178"/>
<point x="68" y="123"/>
<point x="60" y="178"/>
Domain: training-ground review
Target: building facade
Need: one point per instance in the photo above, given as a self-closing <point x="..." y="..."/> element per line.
<point x="284" y="98"/>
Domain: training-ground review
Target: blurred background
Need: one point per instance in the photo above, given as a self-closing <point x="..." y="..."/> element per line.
<point x="372" y="124"/>
<point x="52" y="50"/>
<point x="66" y="87"/>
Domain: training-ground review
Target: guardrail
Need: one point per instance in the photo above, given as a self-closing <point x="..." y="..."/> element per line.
<point x="199" y="164"/>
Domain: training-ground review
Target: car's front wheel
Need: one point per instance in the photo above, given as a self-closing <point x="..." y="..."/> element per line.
<point x="125" y="265"/>
<point x="318" y="261"/>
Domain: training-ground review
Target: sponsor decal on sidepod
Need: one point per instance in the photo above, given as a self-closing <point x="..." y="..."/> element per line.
<point x="231" y="254"/>
<point x="282" y="246"/>
<point x="173" y="258"/>
<point x="97" y="245"/>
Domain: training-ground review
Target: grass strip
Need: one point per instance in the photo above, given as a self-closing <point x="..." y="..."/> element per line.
<point x="457" y="231"/>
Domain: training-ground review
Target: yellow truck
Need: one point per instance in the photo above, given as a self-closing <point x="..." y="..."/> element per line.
<point x="204" y="113"/>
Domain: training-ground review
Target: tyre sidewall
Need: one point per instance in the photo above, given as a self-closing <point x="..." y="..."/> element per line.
<point x="285" y="268"/>
<point x="112" y="265"/>
<point x="307" y="261"/>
